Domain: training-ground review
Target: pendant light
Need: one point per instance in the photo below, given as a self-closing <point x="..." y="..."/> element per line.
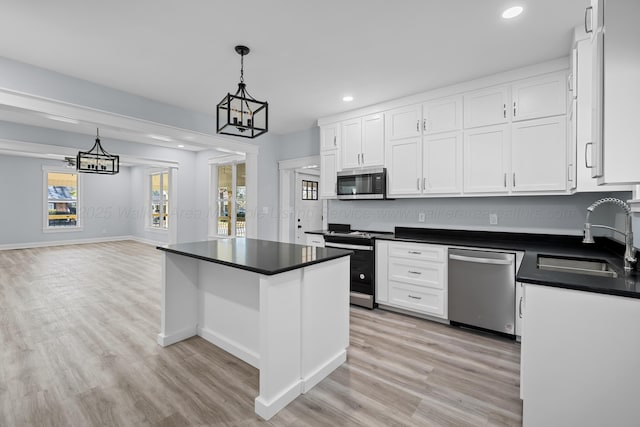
<point x="241" y="114"/>
<point x="97" y="160"/>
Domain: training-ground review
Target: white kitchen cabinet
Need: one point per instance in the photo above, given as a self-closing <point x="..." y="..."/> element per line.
<point x="539" y="97"/>
<point x="316" y="240"/>
<point x="442" y="163"/>
<point x="404" y="122"/>
<point x="539" y="155"/>
<point x="412" y="276"/>
<point x="442" y="115"/>
<point x="616" y="92"/>
<point x="330" y="136"/>
<point x="404" y="167"/>
<point x="486" y="159"/>
<point x="579" y="358"/>
<point x="486" y="107"/>
<point x="329" y="161"/>
<point x="362" y="142"/>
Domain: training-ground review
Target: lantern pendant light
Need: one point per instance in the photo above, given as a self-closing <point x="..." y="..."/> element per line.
<point x="240" y="114"/>
<point x="97" y="160"/>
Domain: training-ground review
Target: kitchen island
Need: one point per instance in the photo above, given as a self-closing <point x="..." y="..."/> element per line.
<point x="280" y="307"/>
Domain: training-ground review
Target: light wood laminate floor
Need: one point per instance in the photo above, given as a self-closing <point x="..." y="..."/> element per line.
<point x="77" y="348"/>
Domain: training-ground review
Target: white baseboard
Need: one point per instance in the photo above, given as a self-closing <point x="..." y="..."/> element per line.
<point x="268" y="409"/>
<point x="29" y="245"/>
<point x="321" y="373"/>
<point x="230" y="346"/>
<point x="165" y="340"/>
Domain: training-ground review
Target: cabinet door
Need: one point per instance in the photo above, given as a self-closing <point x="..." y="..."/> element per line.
<point x="486" y="107"/>
<point x="328" y="170"/>
<point x="538" y="155"/>
<point x="539" y="97"/>
<point x="404" y="122"/>
<point x="381" y="278"/>
<point x="442" y="163"/>
<point x="351" y="143"/>
<point x="486" y="160"/>
<point x="372" y="140"/>
<point x="404" y="167"/>
<point x="329" y="136"/>
<point x="442" y="115"/>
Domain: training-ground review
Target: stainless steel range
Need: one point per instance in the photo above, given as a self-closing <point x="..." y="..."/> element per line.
<point x="362" y="261"/>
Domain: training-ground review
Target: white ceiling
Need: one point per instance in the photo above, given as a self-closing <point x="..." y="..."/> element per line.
<point x="305" y="55"/>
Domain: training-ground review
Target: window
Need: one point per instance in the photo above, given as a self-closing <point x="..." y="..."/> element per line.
<point x="309" y="190"/>
<point x="159" y="218"/>
<point x="231" y="199"/>
<point x="61" y="200"/>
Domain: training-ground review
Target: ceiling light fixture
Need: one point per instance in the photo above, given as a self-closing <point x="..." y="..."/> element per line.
<point x="241" y="114"/>
<point x="347" y="98"/>
<point x="180" y="146"/>
<point x="97" y="160"/>
<point x="512" y="12"/>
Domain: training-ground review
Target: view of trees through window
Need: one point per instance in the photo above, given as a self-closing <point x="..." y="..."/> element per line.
<point x="160" y="200"/>
<point x="62" y="199"/>
<point x="232" y="200"/>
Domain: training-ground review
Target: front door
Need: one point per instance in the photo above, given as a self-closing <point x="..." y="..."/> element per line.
<point x="308" y="206"/>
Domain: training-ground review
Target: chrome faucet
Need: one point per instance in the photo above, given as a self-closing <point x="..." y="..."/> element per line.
<point x="630" y="251"/>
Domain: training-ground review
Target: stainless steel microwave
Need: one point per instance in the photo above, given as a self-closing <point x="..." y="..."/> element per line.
<point x="362" y="184"/>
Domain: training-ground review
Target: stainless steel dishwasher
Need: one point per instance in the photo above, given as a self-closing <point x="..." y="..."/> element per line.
<point x="482" y="289"/>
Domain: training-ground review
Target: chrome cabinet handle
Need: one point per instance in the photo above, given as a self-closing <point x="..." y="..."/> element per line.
<point x="514" y="108"/>
<point x="418" y="183"/>
<point x="586" y="11"/>
<point x="424" y="183"/>
<point x="411" y="296"/>
<point x="504" y="110"/>
<point x="362" y="158"/>
<point x="569" y="177"/>
<point x="424" y="125"/>
<point x="514" y="179"/>
<point x="414" y="272"/>
<point x="334" y="140"/>
<point x="586" y="163"/>
<point x="414" y="252"/>
<point x="358" y="158"/>
<point x="417" y="125"/>
<point x="520" y="308"/>
<point x="505" y="180"/>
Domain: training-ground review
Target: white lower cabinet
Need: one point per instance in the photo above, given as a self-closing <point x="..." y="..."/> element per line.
<point x="412" y="276"/>
<point x="329" y="161"/>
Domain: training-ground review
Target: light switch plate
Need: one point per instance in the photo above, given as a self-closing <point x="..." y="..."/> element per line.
<point x="493" y="219"/>
<point x="421" y="217"/>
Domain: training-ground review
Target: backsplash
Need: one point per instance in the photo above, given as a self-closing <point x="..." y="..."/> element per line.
<point x="530" y="214"/>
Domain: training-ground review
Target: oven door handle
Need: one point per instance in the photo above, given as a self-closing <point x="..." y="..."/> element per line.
<point x="347" y="246"/>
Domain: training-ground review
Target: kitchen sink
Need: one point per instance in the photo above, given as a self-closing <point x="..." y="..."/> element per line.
<point x="589" y="267"/>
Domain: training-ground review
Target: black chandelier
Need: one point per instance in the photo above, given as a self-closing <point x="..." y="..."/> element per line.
<point x="241" y="114"/>
<point x="97" y="160"/>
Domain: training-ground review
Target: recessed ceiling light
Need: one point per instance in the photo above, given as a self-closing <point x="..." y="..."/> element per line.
<point x="160" y="138"/>
<point x="180" y="146"/>
<point x="512" y="12"/>
<point x="62" y="119"/>
<point x="347" y="98"/>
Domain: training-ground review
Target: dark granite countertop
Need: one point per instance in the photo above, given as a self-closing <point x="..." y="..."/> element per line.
<point x="260" y="256"/>
<point x="535" y="245"/>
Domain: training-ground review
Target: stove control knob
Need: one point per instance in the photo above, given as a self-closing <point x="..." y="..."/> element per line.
<point x="362" y="276"/>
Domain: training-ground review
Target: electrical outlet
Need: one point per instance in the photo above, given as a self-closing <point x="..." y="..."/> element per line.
<point x="421" y="217"/>
<point x="493" y="219"/>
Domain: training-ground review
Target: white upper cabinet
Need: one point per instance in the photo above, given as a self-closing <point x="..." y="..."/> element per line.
<point x="539" y="97"/>
<point x="351" y="143"/>
<point x="362" y="142"/>
<point x="538" y="155"/>
<point x="486" y="159"/>
<point x="330" y="136"/>
<point x="405" y="122"/>
<point x="486" y="107"/>
<point x="372" y="140"/>
<point x="442" y="115"/>
<point x="329" y="161"/>
<point x="442" y="163"/>
<point x="404" y="167"/>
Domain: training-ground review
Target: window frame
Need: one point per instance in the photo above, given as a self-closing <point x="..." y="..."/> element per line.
<point x="148" y="208"/>
<point x="214" y="164"/>
<point x="46" y="228"/>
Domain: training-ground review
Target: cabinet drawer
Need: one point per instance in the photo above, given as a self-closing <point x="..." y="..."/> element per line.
<point x="417" y="251"/>
<point x="419" y="273"/>
<point x="424" y="300"/>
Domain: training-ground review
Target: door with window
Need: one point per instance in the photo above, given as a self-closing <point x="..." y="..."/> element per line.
<point x="159" y="200"/>
<point x="231" y="199"/>
<point x="308" y="207"/>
